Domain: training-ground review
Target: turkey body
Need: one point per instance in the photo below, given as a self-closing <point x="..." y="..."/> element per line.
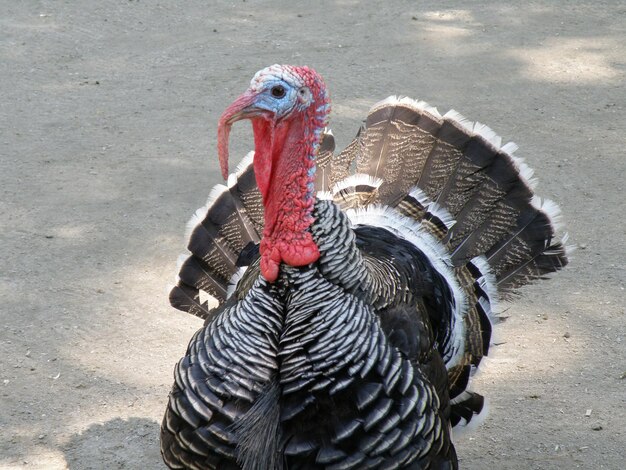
<point x="338" y="387"/>
<point x="362" y="358"/>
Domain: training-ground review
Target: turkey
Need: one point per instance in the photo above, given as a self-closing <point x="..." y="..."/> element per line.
<point x="355" y="291"/>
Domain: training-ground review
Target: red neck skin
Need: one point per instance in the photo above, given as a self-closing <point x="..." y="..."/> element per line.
<point x="284" y="169"/>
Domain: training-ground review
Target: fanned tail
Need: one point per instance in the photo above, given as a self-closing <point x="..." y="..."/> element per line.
<point x="433" y="167"/>
<point x="472" y="196"/>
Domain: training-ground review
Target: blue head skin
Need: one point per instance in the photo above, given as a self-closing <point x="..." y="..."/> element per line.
<point x="280" y="91"/>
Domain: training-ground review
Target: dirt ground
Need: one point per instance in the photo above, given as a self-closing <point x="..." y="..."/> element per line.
<point x="108" y="114"/>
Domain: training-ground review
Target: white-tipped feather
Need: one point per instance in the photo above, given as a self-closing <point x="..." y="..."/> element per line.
<point x="357" y="179"/>
<point x="488" y="134"/>
<point x="419" y="195"/>
<point x="526" y="172"/>
<point x="485" y="304"/>
<point x="550" y="209"/>
<point x="432" y="110"/>
<point x="232" y="180"/>
<point x="457" y="117"/>
<point x="510" y="148"/>
<point x="412" y="231"/>
<point x="527" y="175"/>
<point x="324" y="195"/>
<point x="441" y="213"/>
<point x="477" y="128"/>
<point x="201" y="213"/>
<point x="419" y="106"/>
<point x="553" y="211"/>
<point x="244" y="163"/>
<point x="389" y="101"/>
<point x="432" y="207"/>
<point x="488" y="283"/>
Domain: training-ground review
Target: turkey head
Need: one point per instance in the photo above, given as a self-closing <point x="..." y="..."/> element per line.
<point x="289" y="108"/>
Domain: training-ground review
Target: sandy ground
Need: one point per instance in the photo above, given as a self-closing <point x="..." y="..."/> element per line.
<point x="108" y="112"/>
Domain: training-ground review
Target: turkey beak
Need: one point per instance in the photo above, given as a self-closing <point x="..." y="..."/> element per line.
<point x="242" y="108"/>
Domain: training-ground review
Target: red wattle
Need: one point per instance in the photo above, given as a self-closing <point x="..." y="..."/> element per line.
<point x="270" y="261"/>
<point x="294" y="249"/>
<point x="284" y="167"/>
<point x="285" y="144"/>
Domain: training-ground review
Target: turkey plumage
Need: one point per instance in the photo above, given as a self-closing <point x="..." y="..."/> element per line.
<point x="355" y="292"/>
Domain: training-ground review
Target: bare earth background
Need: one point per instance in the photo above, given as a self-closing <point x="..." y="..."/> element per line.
<point x="108" y="114"/>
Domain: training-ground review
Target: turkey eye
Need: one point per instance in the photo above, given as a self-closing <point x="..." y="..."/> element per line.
<point x="278" y="91"/>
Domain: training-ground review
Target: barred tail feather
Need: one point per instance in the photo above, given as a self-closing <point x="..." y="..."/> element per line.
<point x="552" y="258"/>
<point x="460" y="169"/>
<point x="218" y="233"/>
<point x="187" y="299"/>
<point x="395" y="144"/>
<point x="247" y="194"/>
<point x="197" y="274"/>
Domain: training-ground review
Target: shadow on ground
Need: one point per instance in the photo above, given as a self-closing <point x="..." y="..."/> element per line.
<point x="130" y="443"/>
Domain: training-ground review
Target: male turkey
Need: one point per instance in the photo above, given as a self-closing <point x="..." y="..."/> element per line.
<point x="355" y="290"/>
